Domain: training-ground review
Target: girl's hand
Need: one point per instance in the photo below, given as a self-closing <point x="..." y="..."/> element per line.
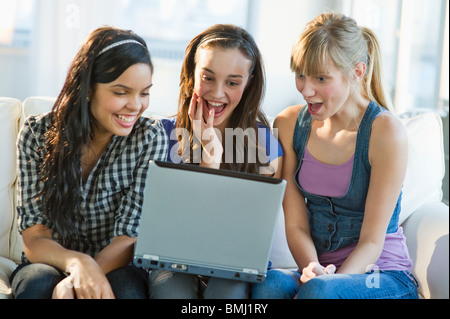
<point x="199" y="123"/>
<point x="204" y="131"/>
<point x="89" y="281"/>
<point x="315" y="269"/>
<point x="64" y="290"/>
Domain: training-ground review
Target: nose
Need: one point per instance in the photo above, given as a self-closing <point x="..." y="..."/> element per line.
<point x="306" y="88"/>
<point x="218" y="91"/>
<point x="135" y="103"/>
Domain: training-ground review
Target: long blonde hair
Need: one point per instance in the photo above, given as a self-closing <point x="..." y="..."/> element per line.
<point x="337" y="38"/>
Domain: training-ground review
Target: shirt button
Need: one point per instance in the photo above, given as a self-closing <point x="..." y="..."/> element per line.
<point x="330" y="228"/>
<point x="326" y="244"/>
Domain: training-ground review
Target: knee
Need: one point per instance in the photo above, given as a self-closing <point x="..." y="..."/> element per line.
<point x="279" y="284"/>
<point x="128" y="283"/>
<point x="320" y="287"/>
<point x="218" y="288"/>
<point x="35" y="281"/>
<point x="166" y="284"/>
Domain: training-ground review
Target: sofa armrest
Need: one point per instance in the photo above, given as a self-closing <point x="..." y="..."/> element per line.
<point x="426" y="232"/>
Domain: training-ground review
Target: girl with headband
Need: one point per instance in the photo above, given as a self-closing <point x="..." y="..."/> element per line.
<point x="221" y="89"/>
<point x="82" y="169"/>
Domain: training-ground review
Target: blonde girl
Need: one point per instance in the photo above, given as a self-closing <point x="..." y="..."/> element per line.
<point x="345" y="159"/>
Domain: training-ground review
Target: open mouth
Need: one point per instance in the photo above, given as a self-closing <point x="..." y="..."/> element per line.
<point x="219" y="107"/>
<point x="314" y="108"/>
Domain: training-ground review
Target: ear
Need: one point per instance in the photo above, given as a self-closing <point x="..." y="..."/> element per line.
<point x="359" y="71"/>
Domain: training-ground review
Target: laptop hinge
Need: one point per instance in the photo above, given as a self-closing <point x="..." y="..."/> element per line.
<point x="250" y="271"/>
<point x="150" y="257"/>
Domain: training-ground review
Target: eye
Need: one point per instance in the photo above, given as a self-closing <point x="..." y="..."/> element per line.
<point x="145" y="92"/>
<point x="207" y="78"/>
<point x="321" y="79"/>
<point x="233" y="83"/>
<point x="300" y="76"/>
<point x="120" y="93"/>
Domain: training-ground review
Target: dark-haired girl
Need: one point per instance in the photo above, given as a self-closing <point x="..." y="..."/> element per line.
<point x="82" y="170"/>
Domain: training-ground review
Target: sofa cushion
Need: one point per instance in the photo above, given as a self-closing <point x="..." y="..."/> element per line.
<point x="31" y="106"/>
<point x="37" y="105"/>
<point x="428" y="243"/>
<point x="426" y="167"/>
<point x="10" y="110"/>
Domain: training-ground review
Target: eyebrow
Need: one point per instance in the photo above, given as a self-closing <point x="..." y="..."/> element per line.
<point x="230" y="76"/>
<point x="128" y="88"/>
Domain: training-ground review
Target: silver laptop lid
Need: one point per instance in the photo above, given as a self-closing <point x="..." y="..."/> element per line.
<point x="206" y="221"/>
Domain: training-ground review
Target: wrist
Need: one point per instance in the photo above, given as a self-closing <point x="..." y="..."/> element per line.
<point x="78" y="260"/>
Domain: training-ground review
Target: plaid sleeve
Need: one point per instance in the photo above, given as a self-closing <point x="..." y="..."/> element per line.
<point x="29" y="159"/>
<point x="152" y="144"/>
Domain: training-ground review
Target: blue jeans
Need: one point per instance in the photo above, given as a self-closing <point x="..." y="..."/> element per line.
<point x="37" y="281"/>
<point x="279" y="284"/>
<point x="166" y="284"/>
<point x="371" y="285"/>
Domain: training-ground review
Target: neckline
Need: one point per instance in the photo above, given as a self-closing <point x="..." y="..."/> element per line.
<point x="311" y="157"/>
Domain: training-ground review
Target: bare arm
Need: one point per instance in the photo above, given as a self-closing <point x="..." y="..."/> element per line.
<point x="88" y="274"/>
<point x="388" y="159"/>
<point x="88" y="278"/>
<point x="277" y="166"/>
<point x="296" y="219"/>
<point x="117" y="254"/>
<point x="41" y="248"/>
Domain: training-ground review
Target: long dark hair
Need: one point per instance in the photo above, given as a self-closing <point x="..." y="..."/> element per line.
<point x="72" y="123"/>
<point x="248" y="112"/>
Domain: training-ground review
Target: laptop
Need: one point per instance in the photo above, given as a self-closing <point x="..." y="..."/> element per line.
<point x="209" y="222"/>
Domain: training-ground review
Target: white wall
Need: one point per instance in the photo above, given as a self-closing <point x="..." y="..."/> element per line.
<point x="61" y="26"/>
<point x="278" y="26"/>
<point x="275" y="26"/>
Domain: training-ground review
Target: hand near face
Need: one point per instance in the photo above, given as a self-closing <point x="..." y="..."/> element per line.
<point x="205" y="132"/>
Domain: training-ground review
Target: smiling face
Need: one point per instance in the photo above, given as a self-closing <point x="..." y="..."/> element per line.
<point x="116" y="106"/>
<point x="221" y="76"/>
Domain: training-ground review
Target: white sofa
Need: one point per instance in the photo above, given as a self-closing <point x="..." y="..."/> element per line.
<point x="424" y="217"/>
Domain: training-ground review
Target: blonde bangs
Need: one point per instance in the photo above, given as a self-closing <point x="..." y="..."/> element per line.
<point x="310" y="56"/>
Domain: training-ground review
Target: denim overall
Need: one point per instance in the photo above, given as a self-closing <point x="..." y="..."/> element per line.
<point x="335" y="222"/>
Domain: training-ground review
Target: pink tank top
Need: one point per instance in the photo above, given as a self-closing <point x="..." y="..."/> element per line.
<point x="333" y="181"/>
<point x="323" y="179"/>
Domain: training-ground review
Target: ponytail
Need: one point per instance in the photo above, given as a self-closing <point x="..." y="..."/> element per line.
<point x="372" y="86"/>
